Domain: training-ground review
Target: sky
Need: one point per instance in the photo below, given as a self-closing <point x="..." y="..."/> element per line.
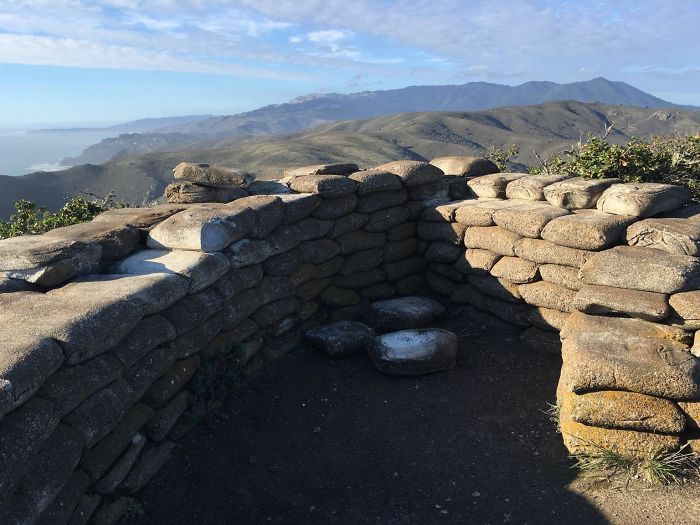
<point x="70" y="61"/>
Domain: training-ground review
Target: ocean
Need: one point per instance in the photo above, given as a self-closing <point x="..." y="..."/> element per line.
<point x="22" y="152"/>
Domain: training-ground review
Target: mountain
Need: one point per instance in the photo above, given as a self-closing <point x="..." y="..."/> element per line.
<point x="144" y="125"/>
<point x="314" y="110"/>
<point x="545" y="128"/>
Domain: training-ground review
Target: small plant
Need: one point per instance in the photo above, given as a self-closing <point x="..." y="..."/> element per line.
<point x="552" y="412"/>
<point x="135" y="510"/>
<point x="501" y="157"/>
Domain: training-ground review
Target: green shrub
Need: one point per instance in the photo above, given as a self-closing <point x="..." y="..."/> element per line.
<point x="30" y="219"/>
<point x="501" y="157"/>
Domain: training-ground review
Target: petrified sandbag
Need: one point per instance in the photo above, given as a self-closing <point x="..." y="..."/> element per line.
<point x="651" y="306"/>
<point x="577" y="193"/>
<point x="269" y="213"/>
<point x="298" y="206"/>
<point x="401" y="269"/>
<point x="546" y="252"/>
<point x="247" y="252"/>
<point x="532" y="187"/>
<point x="529" y="219"/>
<point x="445" y="212"/>
<point x="546" y="318"/>
<point x="149" y="463"/>
<point x="646" y="269"/>
<point x="493" y="186"/>
<point x="515" y="269"/>
<point x="116" y="240"/>
<point x="402" y="313"/>
<point x="432" y="194"/>
<point x="587" y="230"/>
<point x="435" y="231"/>
<point x="614" y="353"/>
<point x="547" y="295"/>
<point x="267" y="187"/>
<point x="189" y="193"/>
<point x="386" y="219"/>
<point x="414" y="352"/>
<point x="218" y="176"/>
<point x="566" y="276"/>
<point x="412" y="172"/>
<point x="494" y="287"/>
<point x="680" y="236"/>
<point x="372" y="181"/>
<point x="139" y="217"/>
<point x="442" y="252"/>
<point x="480" y="212"/>
<point x="475" y="260"/>
<point x="336" y="207"/>
<point x="341" y="339"/>
<point x="642" y="199"/>
<point x="541" y="341"/>
<point x="382" y="199"/>
<point x="493" y="238"/>
<point x="686" y="305"/>
<point x="465" y="166"/>
<point x="338" y="168"/>
<point x="690" y="212"/>
<point x="397" y="250"/>
<point x="327" y="186"/>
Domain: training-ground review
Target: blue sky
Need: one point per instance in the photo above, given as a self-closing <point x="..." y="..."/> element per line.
<point x="109" y="60"/>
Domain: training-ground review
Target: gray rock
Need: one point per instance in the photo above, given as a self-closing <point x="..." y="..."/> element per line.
<point x="603" y="300"/>
<point x="433" y="193"/>
<point x="298" y="206"/>
<point x="577" y="193"/>
<point x="247" y="252"/>
<point x="413" y="172"/>
<point x="435" y="231"/>
<point x="9" y="285"/>
<point x="148" y="465"/>
<point x="372" y="181"/>
<point x="348" y="223"/>
<point x="63" y="505"/>
<point x="402" y="313"/>
<point x="139" y="217"/>
<point x="529" y="219"/>
<point x="547" y="319"/>
<point x="267" y="187"/>
<point x="190" y="193"/>
<point x="327" y="186"/>
<point x="690" y="212"/>
<point x="111" y="481"/>
<point x="269" y="213"/>
<point x="494" y="185"/>
<point x="445" y="212"/>
<point x="501" y="289"/>
<point x="339" y="168"/>
<point x="165" y="418"/>
<point x="381" y="200"/>
<point x="336" y="207"/>
<point x="193" y="310"/>
<point x="407" y="230"/>
<point x="116" y="240"/>
<point x="415" y="352"/>
<point x="397" y="250"/>
<point x="532" y="187"/>
<point x="341" y="339"/>
<point x="587" y="230"/>
<point x="202" y="269"/>
<point x="237" y="280"/>
<point x="150" y="332"/>
<point x="217" y="176"/>
<point x="643" y="199"/>
<point x="275" y="311"/>
<point x="680" y="236"/>
<point x="207" y="230"/>
<point x="398" y="270"/>
<point x="172" y="381"/>
<point x="360" y="240"/>
<point x="465" y="166"/>
<point x="112" y="511"/>
<point x="645" y="269"/>
<point x="318" y="251"/>
<point x="362" y="261"/>
<point x="475" y="260"/>
<point x="442" y="252"/>
<point x="686" y="305"/>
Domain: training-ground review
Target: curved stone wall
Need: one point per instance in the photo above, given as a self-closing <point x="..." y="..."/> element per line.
<point x="115" y="331"/>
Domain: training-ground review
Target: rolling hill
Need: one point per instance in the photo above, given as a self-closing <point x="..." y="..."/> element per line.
<point x="545" y="128"/>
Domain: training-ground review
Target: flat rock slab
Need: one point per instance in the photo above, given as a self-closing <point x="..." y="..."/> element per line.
<point x="577" y="193"/>
<point x="202" y="269"/>
<point x="492" y="238"/>
<point x="47" y="261"/>
<point x="494" y="185"/>
<point x="604" y="300"/>
<point x="465" y="166"/>
<point x="188" y="192"/>
<point x="614" y="353"/>
<point x="413" y="172"/>
<point x="327" y="186"/>
<point x="480" y="212"/>
<point x="680" y="236"/>
<point x="415" y="352"/>
<point x="548" y="295"/>
<point x="117" y="241"/>
<point x="643" y="199"/>
<point x="686" y="305"/>
<point x="217" y="176"/>
<point x="339" y="168"/>
<point x="646" y="269"/>
<point x="546" y="252"/>
<point x="341" y="339"/>
<point x="139" y="217"/>
<point x="402" y="313"/>
<point x="532" y="187"/>
<point x="529" y="219"/>
<point x="207" y="230"/>
<point x="374" y="180"/>
<point x="587" y="230"/>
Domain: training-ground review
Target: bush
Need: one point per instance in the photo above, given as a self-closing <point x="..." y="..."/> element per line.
<point x="31" y="219"/>
<point x="502" y="157"/>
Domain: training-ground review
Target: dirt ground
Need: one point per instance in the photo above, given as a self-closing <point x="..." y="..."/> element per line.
<point x="316" y="441"/>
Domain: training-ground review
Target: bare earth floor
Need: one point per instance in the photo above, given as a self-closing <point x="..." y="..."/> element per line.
<point x="316" y="441"/>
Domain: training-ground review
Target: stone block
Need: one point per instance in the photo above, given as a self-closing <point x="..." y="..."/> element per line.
<point x="85" y="509"/>
<point x="587" y="230"/>
<point x="513" y="313"/>
<point x="202" y="269"/>
<point x="307" y="271"/>
<point x="374" y="180"/>
<point x="604" y="300"/>
<point x="546" y="252"/>
<point x="382" y="199"/>
<point x="336" y="207"/>
<point x="311" y="228"/>
<point x="318" y="251"/>
<point x="116" y="240"/>
<point x="341" y="339"/>
<point x="269" y="213"/>
<point x="267" y="187"/>
<point x="226" y="341"/>
<point x="690" y="211"/>
<point x="493" y="238"/>
<point x="501" y="289"/>
<point x="434" y="231"/>
<point x="577" y="193"/>
<point x="646" y="269"/>
<point x="149" y="368"/>
<point x="415" y="352"/>
<point x="217" y="176"/>
<point x="612" y="353"/>
<point x="199" y="338"/>
<point x="203" y="229"/>
<point x="298" y="206"/>
<point x="9" y="285"/>
<point x="515" y="270"/>
<point x="143" y="218"/>
<point x="382" y="220"/>
<point x="338" y="168"/>
<point x="686" y="305"/>
<point x="532" y="187"/>
<point x="409" y="285"/>
<point x="111" y="512"/>
<point x="445" y="212"/>
<point x="678" y="236"/>
<point x="480" y="212"/>
<point x="360" y="280"/>
<point x="642" y="199"/>
<point x="548" y="295"/>
<point x="494" y="185"/>
<point x="527" y="220"/>
<point x="186" y="192"/>
<point x="412" y="172"/>
<point x="465" y="166"/>
<point x="402" y="313"/>
<point x="348" y="223"/>
<point x="566" y="276"/>
<point x="337" y="297"/>
<point x="327" y="186"/>
<point x="378" y="292"/>
<point x="275" y="311"/>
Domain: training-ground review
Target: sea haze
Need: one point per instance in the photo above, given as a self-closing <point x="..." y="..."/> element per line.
<point x="22" y="151"/>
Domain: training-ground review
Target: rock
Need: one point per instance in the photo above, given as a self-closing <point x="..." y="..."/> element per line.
<point x="63" y="505"/>
<point x="381" y="200"/>
<point x="360" y="280"/>
<point x="149" y="463"/>
<point x="475" y="260"/>
<point x="172" y="381"/>
<point x="382" y="220"/>
<point x="577" y="193"/>
<point x="458" y="188"/>
<point x="512" y="313"/>
<point x="645" y="269"/>
<point x="336" y="207"/>
<point x="269" y="213"/>
<point x="480" y="212"/>
<point x="378" y="292"/>
<point x="432" y="194"/>
<point x="216" y="176"/>
<point x="202" y="269"/>
<point x="532" y="187"/>
<point x="372" y="181"/>
<point x="465" y="166"/>
<point x="311" y="228"/>
<point x="111" y="481"/>
<point x="548" y="295"/>
<point x="362" y="261"/>
<point x="433" y="231"/>
<point x="494" y="287"/>
<point x="275" y="311"/>
<point x="341" y="339"/>
<point x="139" y="217"/>
<point x="112" y="511"/>
<point x="318" y="251"/>
<point x="117" y="241"/>
<point x="398" y="270"/>
<point x="339" y="297"/>
<point x="149" y="368"/>
<point x="191" y="311"/>
<point x="492" y="238"/>
<point x="348" y="223"/>
<point x="690" y="212"/>
<point x="327" y="186"/>
<point x="678" y="236"/>
<point x="527" y="220"/>
<point x="407" y="230"/>
<point x="207" y="230"/>
<point x="165" y="418"/>
<point x="622" y="410"/>
<point x="402" y="313"/>
<point x="691" y="413"/>
<point x="298" y="206"/>
<point x="494" y="185"/>
<point x="515" y="270"/>
<point x="412" y="172"/>
<point x="267" y="187"/>
<point x="9" y="285"/>
<point x="566" y="276"/>
<point x="438" y="283"/>
<point x="442" y="252"/>
<point x="415" y="352"/>
<point x="612" y="353"/>
<point x="546" y="252"/>
<point x="147" y="334"/>
<point x="248" y="252"/>
<point x="643" y="199"/>
<point x="603" y="300"/>
<point x="409" y="285"/>
<point x="397" y="250"/>
<point x="541" y="341"/>
<point x="547" y="318"/>
<point x="47" y="261"/>
<point x="345" y="168"/>
<point x="587" y="230"/>
<point x="686" y="305"/>
<point x="445" y="212"/>
<point x="189" y="193"/>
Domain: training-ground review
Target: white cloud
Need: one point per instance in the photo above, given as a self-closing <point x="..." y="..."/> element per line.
<point x="328" y="36"/>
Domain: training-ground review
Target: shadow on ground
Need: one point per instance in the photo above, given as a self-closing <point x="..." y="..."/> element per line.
<point x="312" y="440"/>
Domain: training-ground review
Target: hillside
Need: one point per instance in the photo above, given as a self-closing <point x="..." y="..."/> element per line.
<point x="545" y="127"/>
<point x="314" y="110"/>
